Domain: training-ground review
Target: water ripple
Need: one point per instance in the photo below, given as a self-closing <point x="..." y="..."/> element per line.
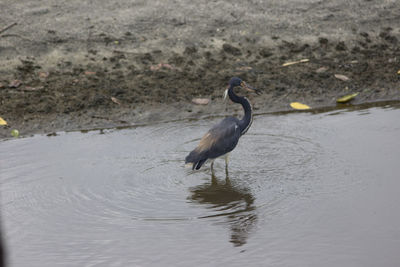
<point x="126" y="192"/>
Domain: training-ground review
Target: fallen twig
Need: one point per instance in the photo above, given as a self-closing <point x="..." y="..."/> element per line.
<point x="16" y="35"/>
<point x="295" y="62"/>
<point x="8" y="27"/>
<point x="109" y="119"/>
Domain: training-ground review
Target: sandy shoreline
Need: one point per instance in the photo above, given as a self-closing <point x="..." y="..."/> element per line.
<point x="69" y="66"/>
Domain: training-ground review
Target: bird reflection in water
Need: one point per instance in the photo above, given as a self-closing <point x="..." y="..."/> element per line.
<point x="234" y="203"/>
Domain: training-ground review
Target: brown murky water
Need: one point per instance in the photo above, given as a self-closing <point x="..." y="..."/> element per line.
<point x="302" y="190"/>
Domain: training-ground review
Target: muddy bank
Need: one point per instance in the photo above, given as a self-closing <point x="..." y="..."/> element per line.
<point x="148" y="67"/>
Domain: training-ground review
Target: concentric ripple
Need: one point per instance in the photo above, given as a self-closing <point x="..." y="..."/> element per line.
<point x="124" y="197"/>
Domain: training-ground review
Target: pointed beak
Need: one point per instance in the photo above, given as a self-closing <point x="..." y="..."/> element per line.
<point x="225" y="94"/>
<point x="250" y="88"/>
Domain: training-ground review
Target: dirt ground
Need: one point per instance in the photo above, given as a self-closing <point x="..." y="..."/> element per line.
<point x="91" y="64"/>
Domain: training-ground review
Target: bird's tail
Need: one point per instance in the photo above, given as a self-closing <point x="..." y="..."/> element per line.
<point x="196" y="158"/>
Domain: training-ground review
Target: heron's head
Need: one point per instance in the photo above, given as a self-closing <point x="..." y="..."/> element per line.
<point x="235" y="81"/>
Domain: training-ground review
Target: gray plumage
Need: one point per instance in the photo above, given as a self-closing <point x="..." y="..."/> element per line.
<point x="219" y="140"/>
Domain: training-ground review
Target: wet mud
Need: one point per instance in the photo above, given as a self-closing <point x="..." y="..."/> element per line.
<point x="113" y="80"/>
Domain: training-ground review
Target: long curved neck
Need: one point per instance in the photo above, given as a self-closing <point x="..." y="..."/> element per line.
<point x="247" y="119"/>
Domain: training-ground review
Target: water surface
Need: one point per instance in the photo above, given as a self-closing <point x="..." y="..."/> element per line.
<point x="302" y="190"/>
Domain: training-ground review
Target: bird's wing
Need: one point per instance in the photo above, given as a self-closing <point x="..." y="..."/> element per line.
<point x="220" y="139"/>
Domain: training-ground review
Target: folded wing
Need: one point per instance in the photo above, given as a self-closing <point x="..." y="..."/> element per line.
<point x="219" y="140"/>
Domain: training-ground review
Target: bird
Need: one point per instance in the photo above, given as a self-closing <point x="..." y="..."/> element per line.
<point x="223" y="137"/>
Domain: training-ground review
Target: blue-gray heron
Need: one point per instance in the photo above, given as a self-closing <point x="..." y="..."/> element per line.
<point x="224" y="136"/>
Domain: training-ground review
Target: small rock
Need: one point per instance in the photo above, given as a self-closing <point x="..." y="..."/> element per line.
<point x="189" y="50"/>
<point x="43" y="74"/>
<point x="201" y="101"/>
<point x="229" y="49"/>
<point x="341" y="46"/>
<point x="15" y="84"/>
<point x="265" y="52"/>
<point x="323" y="41"/>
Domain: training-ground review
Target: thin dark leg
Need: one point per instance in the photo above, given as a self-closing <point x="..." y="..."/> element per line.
<point x="227" y="181"/>
<point x="212" y="168"/>
<point x="213" y="179"/>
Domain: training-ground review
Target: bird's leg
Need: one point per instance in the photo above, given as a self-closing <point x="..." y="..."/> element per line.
<point x="226" y="160"/>
<point x="212" y="169"/>
<point x="226" y="165"/>
<point x="213" y="179"/>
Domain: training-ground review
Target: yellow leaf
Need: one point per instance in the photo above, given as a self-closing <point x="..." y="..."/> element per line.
<point x="297" y="105"/>
<point x="346" y="98"/>
<point x="2" y="121"/>
<point x="295" y="62"/>
<point x="398" y="72"/>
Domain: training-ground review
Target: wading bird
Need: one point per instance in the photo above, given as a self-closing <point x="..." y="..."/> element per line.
<point x="224" y="136"/>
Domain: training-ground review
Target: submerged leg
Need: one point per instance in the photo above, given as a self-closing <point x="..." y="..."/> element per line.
<point x="213" y="178"/>
<point x="226" y="164"/>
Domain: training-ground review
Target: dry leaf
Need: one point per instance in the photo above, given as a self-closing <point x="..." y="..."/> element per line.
<point x="346" y="98"/>
<point x="116" y="101"/>
<point x="90" y="72"/>
<point x="201" y="101"/>
<point x="43" y="75"/>
<point x="300" y="106"/>
<point x="155" y="67"/>
<point x="2" y="121"/>
<point x="295" y="62"/>
<point x="244" y="68"/>
<point x="15" y="84"/>
<point x="168" y="66"/>
<point x="342" y="77"/>
<point x="162" y="65"/>
<point x="321" y="70"/>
